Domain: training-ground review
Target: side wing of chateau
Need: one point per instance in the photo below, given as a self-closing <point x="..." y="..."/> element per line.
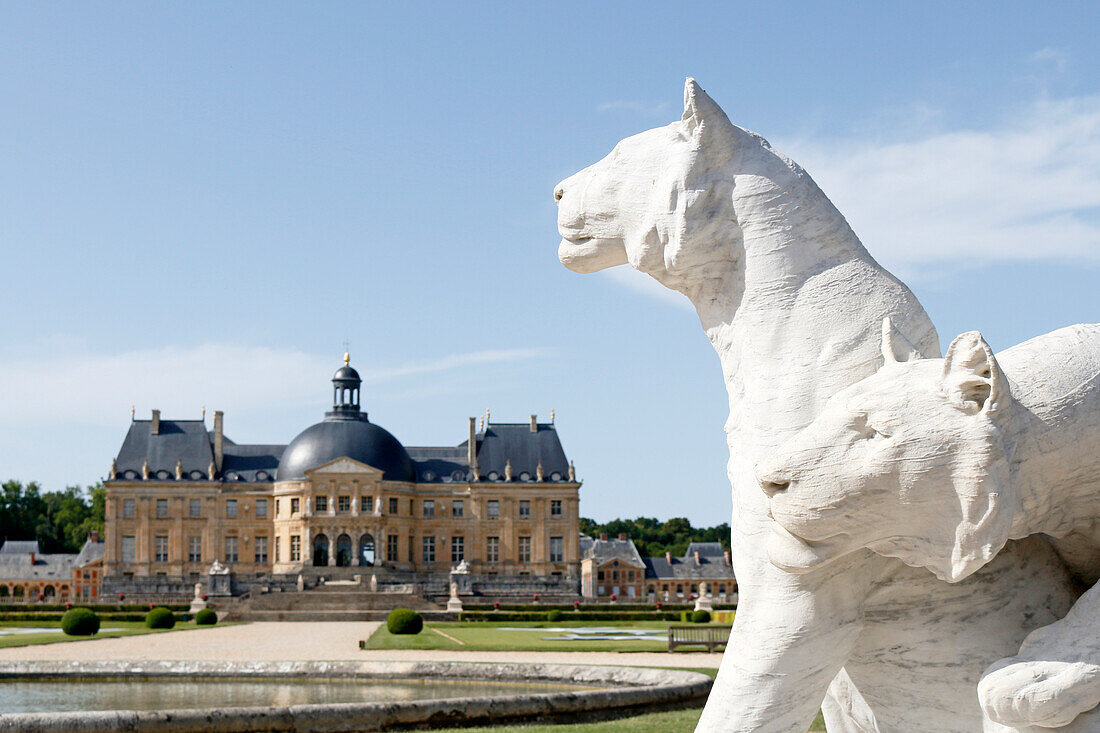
<point x="344" y="493"/>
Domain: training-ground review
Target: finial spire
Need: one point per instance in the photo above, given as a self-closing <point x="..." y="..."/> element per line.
<point x="204" y="413"/>
<point x="551" y="417"/>
<point x="131" y="412"/>
<point x="347" y="358"/>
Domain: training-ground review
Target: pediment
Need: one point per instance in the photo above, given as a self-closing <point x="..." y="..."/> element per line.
<point x="344" y="466"/>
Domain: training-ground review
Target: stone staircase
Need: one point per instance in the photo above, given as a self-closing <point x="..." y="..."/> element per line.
<point x="328" y="602"/>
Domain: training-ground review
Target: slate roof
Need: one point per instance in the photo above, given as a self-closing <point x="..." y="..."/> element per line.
<point x="190" y="442"/>
<point x="712" y="563"/>
<point x="89" y="553"/>
<point x="21" y="547"/>
<point x="604" y="551"/>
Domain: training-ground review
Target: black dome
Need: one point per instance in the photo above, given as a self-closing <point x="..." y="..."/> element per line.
<point x="356" y="439"/>
<point x="346" y="374"/>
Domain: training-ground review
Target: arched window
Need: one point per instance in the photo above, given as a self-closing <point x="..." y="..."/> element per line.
<point x="49" y="591"/>
<point x="366" y="550"/>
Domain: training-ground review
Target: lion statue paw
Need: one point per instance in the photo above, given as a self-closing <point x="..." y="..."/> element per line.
<point x="1039" y="693"/>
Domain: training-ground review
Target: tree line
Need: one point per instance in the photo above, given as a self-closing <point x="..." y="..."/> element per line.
<point x="653" y="537"/>
<point x="59" y="520"/>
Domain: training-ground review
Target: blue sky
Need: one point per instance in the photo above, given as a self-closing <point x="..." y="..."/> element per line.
<point x="200" y="202"/>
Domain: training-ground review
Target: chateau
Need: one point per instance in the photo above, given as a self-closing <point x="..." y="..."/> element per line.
<point x="344" y="493"/>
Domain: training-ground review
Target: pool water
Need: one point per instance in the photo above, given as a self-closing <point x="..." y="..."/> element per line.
<point x="56" y="695"/>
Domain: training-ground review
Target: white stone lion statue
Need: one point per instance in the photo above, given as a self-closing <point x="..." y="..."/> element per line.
<point x="790" y="300"/>
<point x="939" y="463"/>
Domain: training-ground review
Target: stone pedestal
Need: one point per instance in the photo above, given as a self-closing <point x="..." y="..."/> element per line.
<point x="197" y="603"/>
<point x="221" y="580"/>
<point x="703" y="602"/>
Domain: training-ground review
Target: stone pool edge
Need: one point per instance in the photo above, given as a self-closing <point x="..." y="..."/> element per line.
<point x="622" y="690"/>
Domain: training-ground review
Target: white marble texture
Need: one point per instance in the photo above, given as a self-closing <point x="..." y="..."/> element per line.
<point x="791" y="300"/>
<point x="940" y="462"/>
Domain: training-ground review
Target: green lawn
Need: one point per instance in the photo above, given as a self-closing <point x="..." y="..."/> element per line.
<point x="124" y="628"/>
<point x="541" y="636"/>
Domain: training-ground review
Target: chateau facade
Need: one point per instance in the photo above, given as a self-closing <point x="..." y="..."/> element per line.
<point x="343" y="493"/>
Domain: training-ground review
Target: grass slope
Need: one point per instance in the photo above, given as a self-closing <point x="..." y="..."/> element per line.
<point x="125" y="628"/>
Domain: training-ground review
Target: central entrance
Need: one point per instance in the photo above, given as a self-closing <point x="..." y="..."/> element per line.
<point x="343" y="551"/>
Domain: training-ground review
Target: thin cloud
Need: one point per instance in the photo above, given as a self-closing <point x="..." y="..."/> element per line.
<point x="1027" y="189"/>
<point x="94" y="388"/>
<point x="1049" y="56"/>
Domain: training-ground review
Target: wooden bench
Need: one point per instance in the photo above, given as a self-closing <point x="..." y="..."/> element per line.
<point x="711" y="637"/>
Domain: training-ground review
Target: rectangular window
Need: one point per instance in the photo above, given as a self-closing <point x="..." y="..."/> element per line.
<point x="458" y="549"/>
<point x="231" y="545"/>
<point x="162" y="507"/>
<point x="555" y="549"/>
<point x="320" y="504"/>
<point x="194" y="507"/>
<point x="492" y="549"/>
<point x="127" y="507"/>
<point x="457" y="508"/>
<point x="492" y="509"/>
<point x="194" y="549"/>
<point x="277" y="549"/>
<point x="261" y="507"/>
<point x="393" y="506"/>
<point x="128" y="546"/>
<point x="295" y="547"/>
<point x="343" y="503"/>
<point x="366" y="504"/>
<point x="429" y="508"/>
<point x="278" y="506"/>
<point x="525" y="549"/>
<point x="230" y="507"/>
<point x="391" y="548"/>
<point x="412" y="548"/>
<point x="295" y="506"/>
<point x="555" y="507"/>
<point x="160" y="548"/>
<point x="524" y="508"/>
<point x="429" y="548"/>
<point x="261" y="550"/>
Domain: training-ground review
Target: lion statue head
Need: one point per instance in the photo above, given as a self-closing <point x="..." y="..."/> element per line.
<point x="663" y="200"/>
<point x="910" y="462"/>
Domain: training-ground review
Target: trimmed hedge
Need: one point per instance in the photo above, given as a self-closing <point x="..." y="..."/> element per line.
<point x="98" y="607"/>
<point x="206" y="617"/>
<point x="160" y="618"/>
<point x="569" y="616"/>
<point x="80" y="622"/>
<point x="554" y="615"/>
<point x="58" y="616"/>
<point x="404" y="621"/>
<point x="620" y="607"/>
<point x="702" y="616"/>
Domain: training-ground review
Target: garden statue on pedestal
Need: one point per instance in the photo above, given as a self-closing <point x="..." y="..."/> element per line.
<point x="703" y="603"/>
<point x="454" y="603"/>
<point x="780" y="281"/>
<point x="197" y="603"/>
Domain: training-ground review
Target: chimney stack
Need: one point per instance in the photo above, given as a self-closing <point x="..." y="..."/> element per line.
<point x="727" y="558"/>
<point x="668" y="557"/>
<point x="622" y="536"/>
<point x="534" y="423"/>
<point x="697" y="560"/>
<point x="471" y="449"/>
<point x="219" y="440"/>
<point x="93" y="536"/>
<point x="603" y="536"/>
<point x="155" y="429"/>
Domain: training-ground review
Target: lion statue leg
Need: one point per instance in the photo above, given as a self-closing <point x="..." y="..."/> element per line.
<point x="1053" y="680"/>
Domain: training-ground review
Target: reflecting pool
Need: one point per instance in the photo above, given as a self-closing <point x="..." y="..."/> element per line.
<point x="59" y="695"/>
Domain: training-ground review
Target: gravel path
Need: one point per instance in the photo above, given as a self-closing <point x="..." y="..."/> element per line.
<point x="313" y="641"/>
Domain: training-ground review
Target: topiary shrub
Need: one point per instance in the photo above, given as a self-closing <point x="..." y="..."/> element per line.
<point x="554" y="615"/>
<point x="160" y="618"/>
<point x="80" y="622"/>
<point x="404" y="621"/>
<point x="700" y="617"/>
<point x="206" y="617"/>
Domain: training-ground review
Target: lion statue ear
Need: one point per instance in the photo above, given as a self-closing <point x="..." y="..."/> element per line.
<point x="973" y="379"/>
<point x="895" y="347"/>
<point x="702" y="115"/>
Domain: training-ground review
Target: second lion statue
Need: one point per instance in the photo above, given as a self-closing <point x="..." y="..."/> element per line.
<point x="940" y="462"/>
<point x="788" y="296"/>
